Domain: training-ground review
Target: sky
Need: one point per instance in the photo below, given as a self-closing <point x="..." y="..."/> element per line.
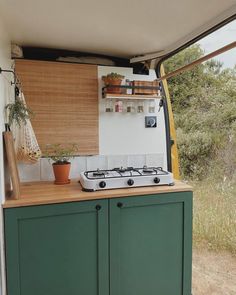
<point x="220" y="38"/>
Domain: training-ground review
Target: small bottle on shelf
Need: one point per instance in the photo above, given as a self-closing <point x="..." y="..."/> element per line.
<point x="109" y="106"/>
<point x="152" y="106"/>
<point x="128" y="83"/>
<point x="119" y="106"/>
<point x="140" y="107"/>
<point x="130" y="107"/>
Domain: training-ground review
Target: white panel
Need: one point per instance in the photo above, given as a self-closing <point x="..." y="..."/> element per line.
<point x="123" y="133"/>
<point x="122" y="28"/>
<point x="194" y="33"/>
<point x="5" y="94"/>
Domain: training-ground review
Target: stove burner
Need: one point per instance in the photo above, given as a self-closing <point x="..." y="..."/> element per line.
<point x="99" y="173"/>
<point x="123" y="170"/>
<point x="148" y="169"/>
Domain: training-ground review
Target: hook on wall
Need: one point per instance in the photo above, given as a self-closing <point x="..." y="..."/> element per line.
<point x="9" y="71"/>
<point x="16" y="81"/>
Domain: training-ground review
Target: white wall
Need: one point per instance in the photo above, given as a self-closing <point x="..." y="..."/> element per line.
<point x="5" y="63"/>
<point x="5" y="92"/>
<point x="125" y="133"/>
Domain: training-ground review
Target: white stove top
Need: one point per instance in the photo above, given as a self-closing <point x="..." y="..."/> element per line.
<point x="125" y="178"/>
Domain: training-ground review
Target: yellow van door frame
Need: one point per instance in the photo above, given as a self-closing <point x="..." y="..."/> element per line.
<point x="173" y="140"/>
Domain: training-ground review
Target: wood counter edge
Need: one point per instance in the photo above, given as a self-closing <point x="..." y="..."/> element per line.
<point x="45" y="192"/>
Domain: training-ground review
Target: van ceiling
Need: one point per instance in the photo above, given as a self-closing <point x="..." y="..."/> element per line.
<point x="119" y="28"/>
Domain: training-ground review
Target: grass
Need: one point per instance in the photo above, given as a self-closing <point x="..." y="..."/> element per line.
<point x="214" y="222"/>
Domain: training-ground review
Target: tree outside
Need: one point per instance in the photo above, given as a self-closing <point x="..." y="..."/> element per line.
<point x="204" y="107"/>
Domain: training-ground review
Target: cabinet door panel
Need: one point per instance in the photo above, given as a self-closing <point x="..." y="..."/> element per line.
<point x="150" y="240"/>
<point x="57" y="249"/>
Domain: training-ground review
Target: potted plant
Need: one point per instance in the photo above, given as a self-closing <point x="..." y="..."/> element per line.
<point x="60" y="155"/>
<point x="113" y="79"/>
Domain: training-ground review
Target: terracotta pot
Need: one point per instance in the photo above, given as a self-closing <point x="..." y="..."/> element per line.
<point x="113" y="82"/>
<point x="61" y="173"/>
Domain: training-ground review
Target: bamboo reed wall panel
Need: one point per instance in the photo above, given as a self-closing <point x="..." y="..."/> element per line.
<point x="64" y="98"/>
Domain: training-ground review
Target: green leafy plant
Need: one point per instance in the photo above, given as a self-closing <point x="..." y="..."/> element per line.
<point x="112" y="76"/>
<point x="18" y="112"/>
<point x="60" y="153"/>
<point x="204" y="105"/>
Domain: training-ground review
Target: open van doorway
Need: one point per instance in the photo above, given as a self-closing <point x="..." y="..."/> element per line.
<point x="204" y="107"/>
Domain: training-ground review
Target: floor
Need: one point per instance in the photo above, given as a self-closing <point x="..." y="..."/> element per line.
<point x="214" y="273"/>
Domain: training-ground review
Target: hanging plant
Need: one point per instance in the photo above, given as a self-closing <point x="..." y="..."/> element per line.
<point x="18" y="112"/>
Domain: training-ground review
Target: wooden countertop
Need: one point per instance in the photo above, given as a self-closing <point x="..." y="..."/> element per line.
<point x="40" y="193"/>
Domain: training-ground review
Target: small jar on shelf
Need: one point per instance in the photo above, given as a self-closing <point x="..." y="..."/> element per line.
<point x="130" y="108"/>
<point x="109" y="106"/>
<point x="119" y="106"/>
<point x="140" y="106"/>
<point x="152" y="106"/>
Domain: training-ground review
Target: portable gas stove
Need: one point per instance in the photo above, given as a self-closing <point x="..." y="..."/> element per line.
<point x="125" y="178"/>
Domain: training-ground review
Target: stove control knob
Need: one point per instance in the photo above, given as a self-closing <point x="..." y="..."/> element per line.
<point x="156" y="180"/>
<point x="130" y="182"/>
<point x="102" y="184"/>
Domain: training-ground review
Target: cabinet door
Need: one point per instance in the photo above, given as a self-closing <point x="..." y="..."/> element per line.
<point x="58" y="249"/>
<point x="150" y="245"/>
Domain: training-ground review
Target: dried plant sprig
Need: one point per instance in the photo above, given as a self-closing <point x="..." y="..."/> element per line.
<point x="18" y="112"/>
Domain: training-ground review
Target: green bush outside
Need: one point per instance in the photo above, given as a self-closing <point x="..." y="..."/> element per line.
<point x="204" y="106"/>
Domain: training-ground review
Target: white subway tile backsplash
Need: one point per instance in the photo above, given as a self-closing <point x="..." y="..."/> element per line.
<point x="29" y="172"/>
<point x="137" y="161"/>
<point x="95" y="162"/>
<point x="82" y="164"/>
<point x="117" y="161"/>
<point x="46" y="171"/>
<point x="43" y="169"/>
<point x="78" y="164"/>
<point x="156" y="160"/>
<point x="74" y="168"/>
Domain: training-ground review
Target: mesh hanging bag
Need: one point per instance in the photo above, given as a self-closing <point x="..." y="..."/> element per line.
<point x="27" y="148"/>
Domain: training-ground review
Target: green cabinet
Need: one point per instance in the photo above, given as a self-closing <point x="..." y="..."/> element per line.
<point x="150" y="245"/>
<point x="57" y="249"/>
<point x="125" y="246"/>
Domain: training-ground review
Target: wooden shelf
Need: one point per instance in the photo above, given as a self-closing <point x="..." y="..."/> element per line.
<point x="131" y="96"/>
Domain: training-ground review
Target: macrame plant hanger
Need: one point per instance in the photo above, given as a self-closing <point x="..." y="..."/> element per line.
<point x="27" y="148"/>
